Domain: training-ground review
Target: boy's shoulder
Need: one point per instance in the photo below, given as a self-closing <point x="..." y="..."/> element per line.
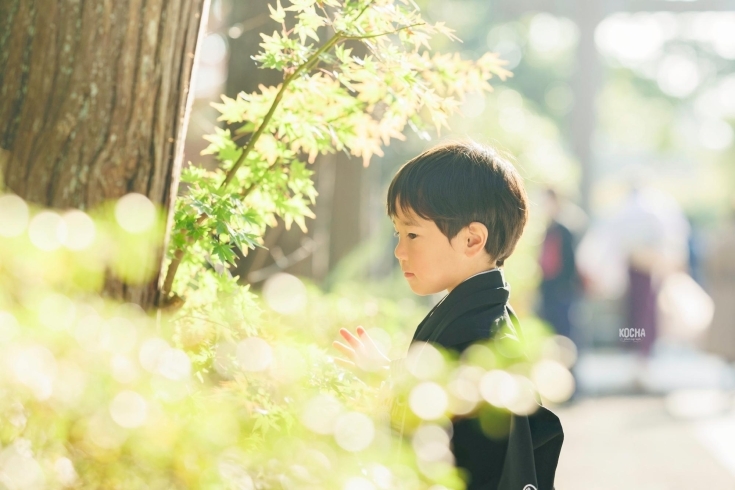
<point x="474" y="310"/>
<point x="478" y="326"/>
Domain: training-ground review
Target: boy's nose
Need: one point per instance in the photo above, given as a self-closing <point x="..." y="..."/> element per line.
<point x="398" y="252"/>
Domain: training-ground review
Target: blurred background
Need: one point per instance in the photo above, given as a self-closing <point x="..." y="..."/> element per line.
<point x="620" y="118"/>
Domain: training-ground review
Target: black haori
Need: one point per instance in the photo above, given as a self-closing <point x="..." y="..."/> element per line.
<point x="475" y="311"/>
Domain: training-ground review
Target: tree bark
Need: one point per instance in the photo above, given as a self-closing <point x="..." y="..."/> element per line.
<point x="94" y="101"/>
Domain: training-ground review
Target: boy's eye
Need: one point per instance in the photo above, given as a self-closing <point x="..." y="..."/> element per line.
<point x="410" y="235"/>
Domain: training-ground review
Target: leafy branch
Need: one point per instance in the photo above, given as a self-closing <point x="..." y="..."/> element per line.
<point x="349" y="103"/>
<point x="313" y="60"/>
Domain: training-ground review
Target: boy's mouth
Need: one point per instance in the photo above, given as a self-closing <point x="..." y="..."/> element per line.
<point x="408" y="274"/>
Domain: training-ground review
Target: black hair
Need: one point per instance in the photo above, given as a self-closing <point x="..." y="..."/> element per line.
<point x="456" y="183"/>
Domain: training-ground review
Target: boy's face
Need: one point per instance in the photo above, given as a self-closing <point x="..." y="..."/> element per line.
<point x="435" y="264"/>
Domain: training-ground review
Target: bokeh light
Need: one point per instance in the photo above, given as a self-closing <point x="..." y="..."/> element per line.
<point x="47" y="231"/>
<point x="631" y="37"/>
<point x="320" y="414"/>
<point x="80" y="229"/>
<point x="19" y="469"/>
<point x="424" y="361"/>
<point x="129" y="409"/>
<point x="678" y="75"/>
<point x="284" y="293"/>
<point x="254" y="354"/>
<point x="354" y="431"/>
<point x="35" y="367"/>
<point x="520" y="397"/>
<point x="561" y="349"/>
<point x="135" y="213"/>
<point x="65" y="472"/>
<point x="174" y="364"/>
<point x="549" y="35"/>
<point x="381" y="475"/>
<point x="431" y="443"/>
<point x="553" y="381"/>
<point x="123" y="369"/>
<point x="14" y="215"/>
<point x="494" y="384"/>
<point x="428" y="400"/>
<point x="464" y="389"/>
<point x="151" y="352"/>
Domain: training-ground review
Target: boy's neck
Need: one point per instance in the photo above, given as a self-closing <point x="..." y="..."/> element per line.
<point x="483" y="272"/>
<point x="473" y="275"/>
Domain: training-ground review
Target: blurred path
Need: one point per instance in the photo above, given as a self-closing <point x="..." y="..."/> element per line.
<point x="631" y="443"/>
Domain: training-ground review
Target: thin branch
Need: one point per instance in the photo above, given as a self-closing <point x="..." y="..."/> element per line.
<point x="176" y="262"/>
<point x="251" y="143"/>
<point x="368" y="36"/>
<point x="363" y="10"/>
<point x="326" y="15"/>
<point x="253" y="185"/>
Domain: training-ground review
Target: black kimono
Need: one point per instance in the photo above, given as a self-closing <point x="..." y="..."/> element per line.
<point x="474" y="311"/>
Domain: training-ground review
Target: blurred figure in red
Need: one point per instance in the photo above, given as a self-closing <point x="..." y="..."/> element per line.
<point x="560" y="283"/>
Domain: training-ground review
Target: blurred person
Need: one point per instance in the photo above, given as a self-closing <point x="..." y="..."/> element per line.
<point x="631" y="253"/>
<point x="560" y="282"/>
<point x="655" y="238"/>
<point x="459" y="210"/>
<point x="719" y="267"/>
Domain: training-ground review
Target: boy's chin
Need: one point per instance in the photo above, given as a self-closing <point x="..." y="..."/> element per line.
<point x="423" y="291"/>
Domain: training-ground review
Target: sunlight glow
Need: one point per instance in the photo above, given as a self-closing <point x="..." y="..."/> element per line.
<point x="428" y="400"/>
<point x="135" y="213"/>
<point x="129" y="409"/>
<point x="284" y="293"/>
<point x="354" y="431"/>
<point x="47" y="231"/>
<point x="14" y="215"/>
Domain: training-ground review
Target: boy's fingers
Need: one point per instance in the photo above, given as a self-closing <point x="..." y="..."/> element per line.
<point x="368" y="340"/>
<point x="364" y="336"/>
<point x="344" y="349"/>
<point x="353" y="341"/>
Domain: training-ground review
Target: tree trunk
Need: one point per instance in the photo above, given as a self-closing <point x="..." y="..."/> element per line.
<point x="94" y="100"/>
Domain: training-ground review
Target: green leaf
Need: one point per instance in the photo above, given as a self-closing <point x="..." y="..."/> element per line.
<point x="277" y="14"/>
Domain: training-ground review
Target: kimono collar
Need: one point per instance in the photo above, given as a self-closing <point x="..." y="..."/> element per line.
<point x="484" y="290"/>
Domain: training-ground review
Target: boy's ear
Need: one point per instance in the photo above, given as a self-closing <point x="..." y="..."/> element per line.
<point x="475" y="237"/>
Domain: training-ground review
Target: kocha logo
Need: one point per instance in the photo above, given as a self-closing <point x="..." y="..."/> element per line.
<point x="529" y="487"/>
<point x="632" y="334"/>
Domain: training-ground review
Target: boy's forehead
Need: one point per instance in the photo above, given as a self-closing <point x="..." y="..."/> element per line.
<point x="405" y="219"/>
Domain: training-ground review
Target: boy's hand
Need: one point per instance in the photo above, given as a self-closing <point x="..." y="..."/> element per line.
<point x="361" y="352"/>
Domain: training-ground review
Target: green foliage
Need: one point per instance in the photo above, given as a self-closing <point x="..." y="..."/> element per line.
<point x="232" y="390"/>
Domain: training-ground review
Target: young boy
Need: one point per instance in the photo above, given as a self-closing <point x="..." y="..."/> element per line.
<point x="459" y="210"/>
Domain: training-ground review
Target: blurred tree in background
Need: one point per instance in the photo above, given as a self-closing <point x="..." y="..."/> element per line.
<point x="93" y="105"/>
